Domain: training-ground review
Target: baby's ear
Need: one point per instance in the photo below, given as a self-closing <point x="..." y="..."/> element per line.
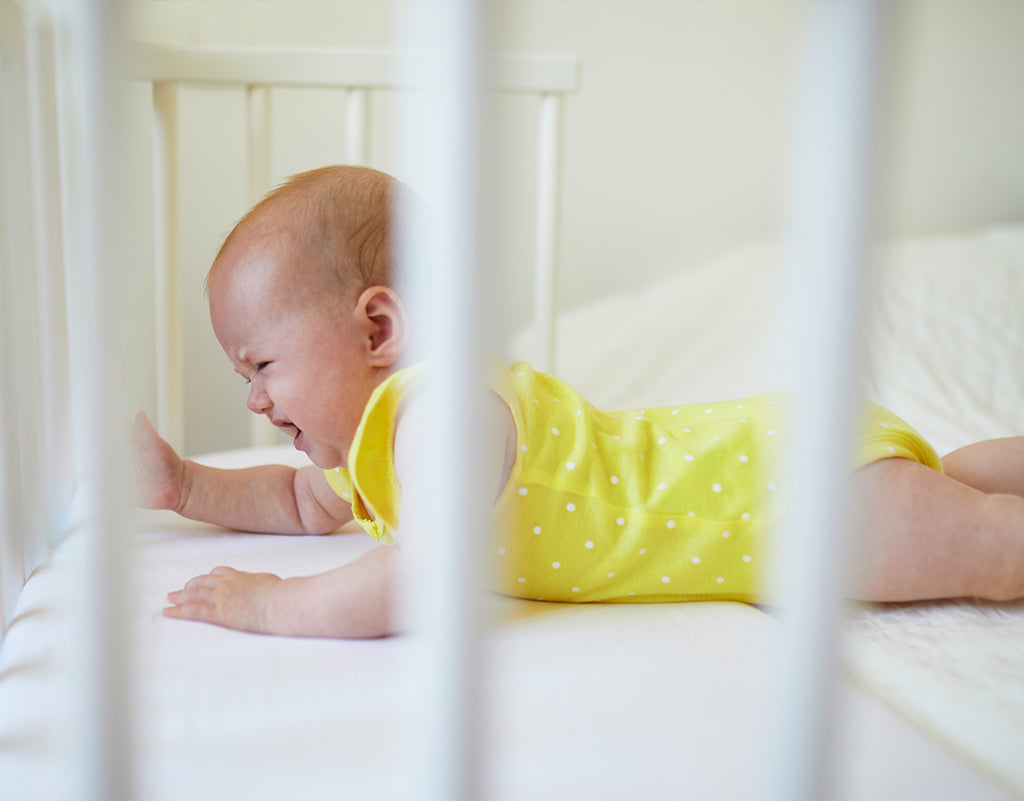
<point x="383" y="313"/>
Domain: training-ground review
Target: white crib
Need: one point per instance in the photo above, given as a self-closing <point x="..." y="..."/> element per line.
<point x="580" y="702"/>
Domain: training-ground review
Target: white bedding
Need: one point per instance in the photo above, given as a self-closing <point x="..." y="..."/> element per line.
<point x="589" y="702"/>
<point x="944" y="347"/>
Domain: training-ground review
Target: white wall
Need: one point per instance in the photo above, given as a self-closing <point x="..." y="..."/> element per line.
<point x="676" y="147"/>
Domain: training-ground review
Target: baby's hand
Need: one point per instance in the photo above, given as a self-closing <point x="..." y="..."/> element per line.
<point x="158" y="471"/>
<point x="227" y="598"/>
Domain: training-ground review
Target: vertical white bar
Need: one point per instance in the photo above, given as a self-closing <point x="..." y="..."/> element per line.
<point x="833" y="164"/>
<point x="12" y="555"/>
<point x="170" y="370"/>
<point x="356" y="125"/>
<point x="54" y="394"/>
<point x="101" y="764"/>
<point x="546" y="244"/>
<point x="445" y="514"/>
<point x="258" y="122"/>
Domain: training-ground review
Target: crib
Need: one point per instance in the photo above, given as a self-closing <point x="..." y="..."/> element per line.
<point x="575" y="701"/>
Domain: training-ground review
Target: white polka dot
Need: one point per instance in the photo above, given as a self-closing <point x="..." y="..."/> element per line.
<point x="745" y="516"/>
<point x="665" y="579"/>
<point x="536" y="529"/>
<point x="501" y="551"/>
<point x="337" y="469"/>
<point x="521" y="580"/>
<point x="707" y="411"/>
<point x="523" y="490"/>
<point x="885" y="425"/>
<point x="716" y="487"/>
<point x="570" y="465"/>
<point x="696" y="560"/>
<point x="744" y="458"/>
<point x="346" y="496"/>
<point x="746" y="557"/>
<point x="662" y="441"/>
<point x="555" y="431"/>
<point x="689" y="457"/>
<point x="891" y="449"/>
<point x="773" y="486"/>
<point x="740" y="406"/>
<point x="612" y="574"/>
<point x="614" y="479"/>
<point x="588" y="544"/>
<point x="570" y="507"/>
<point x="557" y="400"/>
<point x="720" y="580"/>
<point x="663" y="486"/>
<point x="620" y="521"/>
<point x="642" y="551"/>
<point x="769" y="403"/>
<point x="575" y="589"/>
<point x="726" y="534"/>
<point x="556" y="565"/>
<point x="770" y="432"/>
<point x="523" y="448"/>
<point x="639" y="417"/>
<point x="671" y="524"/>
<point x="675" y="411"/>
<point x="688" y="430"/>
<point x="691" y="514"/>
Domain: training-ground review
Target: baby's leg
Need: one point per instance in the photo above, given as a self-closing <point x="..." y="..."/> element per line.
<point x="922" y="534"/>
<point x="995" y="465"/>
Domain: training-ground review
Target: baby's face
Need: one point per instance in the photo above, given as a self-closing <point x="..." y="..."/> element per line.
<point x="302" y="355"/>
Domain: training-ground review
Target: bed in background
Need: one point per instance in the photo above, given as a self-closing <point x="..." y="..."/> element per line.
<point x="589" y="702"/>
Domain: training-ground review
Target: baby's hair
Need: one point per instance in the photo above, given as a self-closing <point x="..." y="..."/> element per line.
<point x="341" y="213"/>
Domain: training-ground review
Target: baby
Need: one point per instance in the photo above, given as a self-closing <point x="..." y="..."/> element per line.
<point x="649" y="505"/>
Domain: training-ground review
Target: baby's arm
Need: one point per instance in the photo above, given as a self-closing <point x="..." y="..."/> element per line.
<point x="355" y="600"/>
<point x="274" y="499"/>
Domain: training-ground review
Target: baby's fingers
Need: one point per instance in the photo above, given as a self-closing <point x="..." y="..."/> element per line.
<point x="193" y="610"/>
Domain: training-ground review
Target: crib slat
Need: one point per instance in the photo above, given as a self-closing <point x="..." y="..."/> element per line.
<point x="446" y="516"/>
<point x="258" y="136"/>
<point x="166" y="228"/>
<point x="546" y="237"/>
<point x="829" y="218"/>
<point x="101" y="765"/>
<point x="54" y="400"/>
<point x="356" y="126"/>
<point x="12" y="570"/>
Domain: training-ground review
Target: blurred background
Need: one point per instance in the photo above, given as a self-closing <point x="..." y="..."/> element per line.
<point x="676" y="148"/>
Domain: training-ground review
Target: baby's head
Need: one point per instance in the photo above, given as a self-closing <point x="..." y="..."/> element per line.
<point x="338" y="218"/>
<point x="301" y="301"/>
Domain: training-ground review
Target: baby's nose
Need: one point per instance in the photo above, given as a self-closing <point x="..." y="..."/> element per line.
<point x="258" y="401"/>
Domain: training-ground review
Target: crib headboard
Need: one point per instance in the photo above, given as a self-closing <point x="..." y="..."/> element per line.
<point x="43" y="220"/>
<point x="357" y="72"/>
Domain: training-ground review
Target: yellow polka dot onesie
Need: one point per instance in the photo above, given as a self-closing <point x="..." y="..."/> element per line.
<point x="667" y="504"/>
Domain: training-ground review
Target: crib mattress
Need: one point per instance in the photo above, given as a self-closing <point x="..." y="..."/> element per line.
<point x="582" y="701"/>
